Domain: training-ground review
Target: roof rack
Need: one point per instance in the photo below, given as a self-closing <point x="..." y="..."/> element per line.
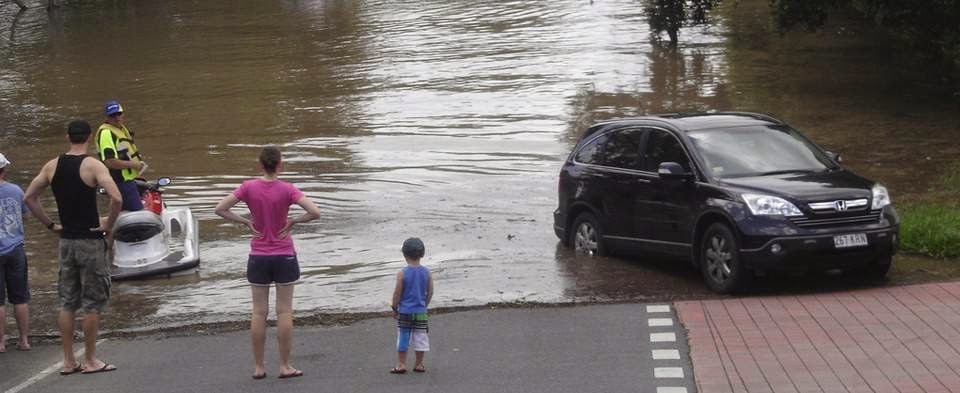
<point x="680" y="115"/>
<point x="677" y="115"/>
<point x="758" y="116"/>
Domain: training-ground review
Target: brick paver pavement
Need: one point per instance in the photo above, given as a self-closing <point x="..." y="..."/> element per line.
<point x="893" y="339"/>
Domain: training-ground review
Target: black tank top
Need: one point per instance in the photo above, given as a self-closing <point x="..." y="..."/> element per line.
<point x="76" y="201"/>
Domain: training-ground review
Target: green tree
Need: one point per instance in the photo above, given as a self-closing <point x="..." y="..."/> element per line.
<point x="670" y="15"/>
<point x="932" y="26"/>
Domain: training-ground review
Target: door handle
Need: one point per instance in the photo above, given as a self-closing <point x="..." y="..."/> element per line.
<point x="642" y="180"/>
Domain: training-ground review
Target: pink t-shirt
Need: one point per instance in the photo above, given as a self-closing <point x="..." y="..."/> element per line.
<point x="269" y="202"/>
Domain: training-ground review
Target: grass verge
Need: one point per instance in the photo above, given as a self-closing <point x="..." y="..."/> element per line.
<point x="930" y="229"/>
<point x="931" y="225"/>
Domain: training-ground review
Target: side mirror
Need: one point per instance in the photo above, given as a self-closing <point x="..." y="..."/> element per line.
<point x="834" y="156"/>
<point x="673" y="171"/>
<point x="163" y="181"/>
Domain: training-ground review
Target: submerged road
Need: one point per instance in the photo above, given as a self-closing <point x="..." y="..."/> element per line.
<point x="599" y="348"/>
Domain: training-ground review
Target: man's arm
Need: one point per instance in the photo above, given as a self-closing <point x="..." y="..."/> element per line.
<point x="31" y="197"/>
<point x="116" y="201"/>
<point x="24" y="210"/>
<point x="108" y="153"/>
<point x="115" y="163"/>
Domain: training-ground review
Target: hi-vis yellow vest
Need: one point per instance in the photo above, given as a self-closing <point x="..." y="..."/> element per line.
<point x="120" y="141"/>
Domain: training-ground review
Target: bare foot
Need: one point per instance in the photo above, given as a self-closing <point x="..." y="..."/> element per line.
<point x="23" y="346"/>
<point x="71" y="370"/>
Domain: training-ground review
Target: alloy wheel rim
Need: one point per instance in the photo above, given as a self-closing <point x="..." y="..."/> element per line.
<point x="585" y="240"/>
<point x="718" y="259"/>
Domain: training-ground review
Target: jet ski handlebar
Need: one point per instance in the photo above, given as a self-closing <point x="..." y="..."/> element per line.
<point x="143" y="185"/>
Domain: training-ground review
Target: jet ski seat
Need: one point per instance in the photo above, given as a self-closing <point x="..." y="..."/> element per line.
<point x="132" y="227"/>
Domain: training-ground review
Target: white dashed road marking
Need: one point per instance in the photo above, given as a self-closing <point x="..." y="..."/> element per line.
<point x="668" y="372"/>
<point x="671" y="390"/>
<point x="666" y="354"/>
<point x="660" y="322"/>
<point x="658" y="308"/>
<point x="663" y="337"/>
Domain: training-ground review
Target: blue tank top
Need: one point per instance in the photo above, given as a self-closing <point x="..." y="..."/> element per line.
<point x="416" y="281"/>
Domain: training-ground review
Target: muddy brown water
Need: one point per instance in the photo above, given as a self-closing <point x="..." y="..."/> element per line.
<point x="446" y="120"/>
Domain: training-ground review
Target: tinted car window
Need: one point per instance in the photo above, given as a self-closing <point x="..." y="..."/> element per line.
<point x="622" y="149"/>
<point x="663" y="147"/>
<point x="590" y="154"/>
<point x="757" y="150"/>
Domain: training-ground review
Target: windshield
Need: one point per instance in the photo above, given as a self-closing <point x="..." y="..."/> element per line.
<point x="758" y="151"/>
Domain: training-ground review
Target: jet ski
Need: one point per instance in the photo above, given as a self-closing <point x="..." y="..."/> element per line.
<point x="155" y="241"/>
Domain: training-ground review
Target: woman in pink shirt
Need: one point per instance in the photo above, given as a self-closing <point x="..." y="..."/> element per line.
<point x="272" y="256"/>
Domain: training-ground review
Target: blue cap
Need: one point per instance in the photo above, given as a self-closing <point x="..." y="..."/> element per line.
<point x="112" y="107"/>
<point x="413" y="248"/>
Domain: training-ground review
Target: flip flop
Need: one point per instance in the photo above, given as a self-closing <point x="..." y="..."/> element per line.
<point x="106" y="367"/>
<point x="259" y="376"/>
<point x="23" y="347"/>
<point x="398" y="370"/>
<point x="420" y="369"/>
<point x="294" y="374"/>
<point x="75" y="370"/>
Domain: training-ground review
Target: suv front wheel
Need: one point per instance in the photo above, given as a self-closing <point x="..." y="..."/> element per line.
<point x="720" y="260"/>
<point x="587" y="236"/>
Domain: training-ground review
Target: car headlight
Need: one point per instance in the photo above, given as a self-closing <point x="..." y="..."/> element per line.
<point x="766" y="205"/>
<point x="881" y="197"/>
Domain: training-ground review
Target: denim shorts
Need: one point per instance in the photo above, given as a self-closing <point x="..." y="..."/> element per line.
<point x="267" y="269"/>
<point x="13" y="277"/>
<point x="130" y="195"/>
<point x="84" y="275"/>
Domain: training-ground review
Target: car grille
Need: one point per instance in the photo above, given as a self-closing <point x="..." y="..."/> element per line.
<point x="827" y="221"/>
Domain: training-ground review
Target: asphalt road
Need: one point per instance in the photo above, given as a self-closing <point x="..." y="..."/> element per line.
<point x="597" y="348"/>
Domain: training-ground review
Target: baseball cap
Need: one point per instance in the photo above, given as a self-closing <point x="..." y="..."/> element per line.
<point x="4" y="161"/>
<point x="112" y="107"/>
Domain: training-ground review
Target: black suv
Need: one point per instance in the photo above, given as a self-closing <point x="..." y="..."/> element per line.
<point x="733" y="192"/>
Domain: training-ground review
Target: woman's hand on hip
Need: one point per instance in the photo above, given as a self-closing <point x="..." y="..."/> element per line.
<point x="285" y="232"/>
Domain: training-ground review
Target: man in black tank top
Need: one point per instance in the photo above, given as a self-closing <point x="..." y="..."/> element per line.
<point x="84" y="280"/>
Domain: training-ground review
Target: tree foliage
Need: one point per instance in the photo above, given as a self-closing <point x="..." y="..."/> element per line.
<point x="670" y="15"/>
<point x="932" y="26"/>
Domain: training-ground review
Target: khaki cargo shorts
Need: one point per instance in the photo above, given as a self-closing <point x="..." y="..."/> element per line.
<point x="84" y="275"/>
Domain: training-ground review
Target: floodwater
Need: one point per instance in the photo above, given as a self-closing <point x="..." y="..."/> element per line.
<point x="446" y="120"/>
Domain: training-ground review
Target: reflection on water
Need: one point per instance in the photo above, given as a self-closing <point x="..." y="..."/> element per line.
<point x="445" y="120"/>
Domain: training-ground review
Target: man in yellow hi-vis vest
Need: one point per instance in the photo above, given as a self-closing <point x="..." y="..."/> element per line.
<point x="119" y="153"/>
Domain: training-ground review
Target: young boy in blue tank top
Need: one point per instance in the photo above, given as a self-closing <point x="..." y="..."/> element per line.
<point x="411" y="296"/>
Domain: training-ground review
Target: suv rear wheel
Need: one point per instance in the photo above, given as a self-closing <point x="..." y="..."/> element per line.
<point x="720" y="260"/>
<point x="587" y="236"/>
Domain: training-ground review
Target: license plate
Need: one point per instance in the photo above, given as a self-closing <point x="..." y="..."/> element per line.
<point x="851" y="240"/>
